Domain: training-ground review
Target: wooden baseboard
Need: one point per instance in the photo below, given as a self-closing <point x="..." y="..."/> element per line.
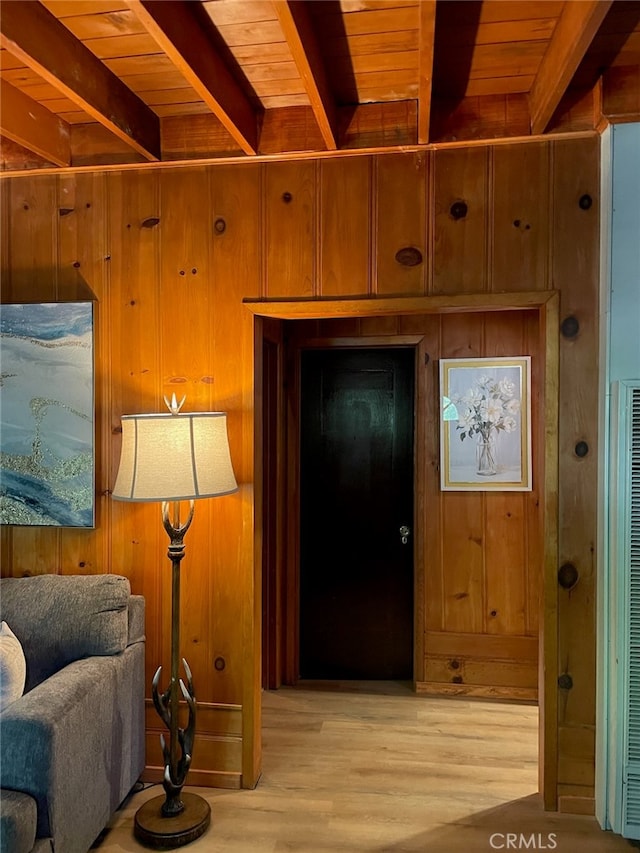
<point x="198" y="778"/>
<point x="518" y="694"/>
<point x="577" y="805"/>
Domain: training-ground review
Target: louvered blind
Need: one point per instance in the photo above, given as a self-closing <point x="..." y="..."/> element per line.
<point x="631" y="552"/>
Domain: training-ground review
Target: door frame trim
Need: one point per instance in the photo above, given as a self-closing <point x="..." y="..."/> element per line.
<point x="546" y="302"/>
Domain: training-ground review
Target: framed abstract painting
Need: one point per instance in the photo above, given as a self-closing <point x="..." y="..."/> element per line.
<point x="485" y="424"/>
<point x="46" y="414"/>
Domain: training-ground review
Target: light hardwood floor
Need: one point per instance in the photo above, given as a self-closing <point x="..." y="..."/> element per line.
<point x="375" y="769"/>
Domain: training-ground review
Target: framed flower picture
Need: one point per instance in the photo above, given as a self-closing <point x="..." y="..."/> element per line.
<point x="485" y="424"/>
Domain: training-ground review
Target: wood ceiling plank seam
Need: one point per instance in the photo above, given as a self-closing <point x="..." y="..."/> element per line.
<point x="152" y="62"/>
<point x="173" y="25"/>
<point x="71" y="8"/>
<point x="301" y="38"/>
<point x="273" y="102"/>
<point x="167" y="110"/>
<point x="540" y="29"/>
<point x="363" y="5"/>
<point x="182" y="95"/>
<point x="283" y="87"/>
<point x="409" y="59"/>
<point x="574" y="32"/>
<point x="507" y="10"/>
<point x="109" y="24"/>
<point x="150" y="81"/>
<point x="114" y="47"/>
<point x="246" y="12"/>
<point x="374" y="20"/>
<point x="277" y="52"/>
<point x="235" y="35"/>
<point x="271" y="71"/>
<point x="376" y="43"/>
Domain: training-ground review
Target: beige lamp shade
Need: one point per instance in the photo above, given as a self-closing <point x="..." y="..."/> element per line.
<point x="172" y="457"/>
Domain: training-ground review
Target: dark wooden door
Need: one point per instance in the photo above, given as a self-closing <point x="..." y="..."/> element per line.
<point x="356" y="492"/>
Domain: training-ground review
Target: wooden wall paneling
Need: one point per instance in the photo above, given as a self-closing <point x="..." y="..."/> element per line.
<point x="342" y="327"/>
<point x="83" y="260"/>
<point x="400" y="211"/>
<point x="290" y="221"/>
<point x="462" y="516"/>
<point x="345" y="226"/>
<point x="34" y="278"/>
<point x="462" y="561"/>
<point x="185" y="364"/>
<point x="131" y="306"/>
<point x="505" y="522"/>
<point x="498" y="676"/>
<point x="519" y="249"/>
<point x="460" y="216"/>
<point x="236" y="595"/>
<point x="372" y="326"/>
<point x="575" y="274"/>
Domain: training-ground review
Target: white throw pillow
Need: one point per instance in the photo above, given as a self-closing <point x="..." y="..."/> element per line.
<point x="13" y="667"/>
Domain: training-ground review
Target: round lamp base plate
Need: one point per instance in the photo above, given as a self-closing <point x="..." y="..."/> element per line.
<point x="155" y="830"/>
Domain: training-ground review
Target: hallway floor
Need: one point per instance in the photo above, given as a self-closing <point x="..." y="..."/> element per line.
<point x="375" y="769"/>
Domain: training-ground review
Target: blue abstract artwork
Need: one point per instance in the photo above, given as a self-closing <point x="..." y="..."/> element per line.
<point x="46" y="414"/>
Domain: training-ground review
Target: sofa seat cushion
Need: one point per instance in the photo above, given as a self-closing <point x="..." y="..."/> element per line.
<point x="18" y="817"/>
<point x="63" y="618"/>
<point x="13" y="667"/>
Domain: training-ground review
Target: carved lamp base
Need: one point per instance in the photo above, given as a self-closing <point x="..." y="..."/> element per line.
<point x="155" y="830"/>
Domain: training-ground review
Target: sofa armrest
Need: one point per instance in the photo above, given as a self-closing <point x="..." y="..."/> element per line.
<point x="136" y="620"/>
<point x="73" y="744"/>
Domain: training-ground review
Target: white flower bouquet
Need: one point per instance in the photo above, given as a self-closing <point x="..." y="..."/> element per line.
<point x="490" y="407"/>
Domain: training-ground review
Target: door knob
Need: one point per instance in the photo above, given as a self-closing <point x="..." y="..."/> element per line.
<point x="405" y="532"/>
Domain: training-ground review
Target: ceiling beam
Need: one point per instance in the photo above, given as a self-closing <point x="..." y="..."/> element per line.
<point x="31" y="33"/>
<point x="425" y="70"/>
<point x="31" y="125"/>
<point x="573" y="33"/>
<point x="178" y="32"/>
<point x="297" y="27"/>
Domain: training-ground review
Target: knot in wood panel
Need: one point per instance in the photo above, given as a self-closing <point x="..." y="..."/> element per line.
<point x="570" y="327"/>
<point x="409" y="256"/>
<point x="568" y="576"/>
<point x="458" y="210"/>
<point x="581" y="449"/>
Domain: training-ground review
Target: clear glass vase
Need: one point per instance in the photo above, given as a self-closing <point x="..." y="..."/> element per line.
<point x="486" y="464"/>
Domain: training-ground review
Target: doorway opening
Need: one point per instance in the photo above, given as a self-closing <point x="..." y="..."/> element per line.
<point x="437" y="332"/>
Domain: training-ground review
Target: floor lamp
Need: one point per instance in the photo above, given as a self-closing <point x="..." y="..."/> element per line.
<point x="170" y="458"/>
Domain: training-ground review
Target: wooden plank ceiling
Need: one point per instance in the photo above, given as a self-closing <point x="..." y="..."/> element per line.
<point x="99" y="82"/>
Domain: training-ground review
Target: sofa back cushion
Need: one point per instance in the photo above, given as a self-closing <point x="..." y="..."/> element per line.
<point x="62" y="618"/>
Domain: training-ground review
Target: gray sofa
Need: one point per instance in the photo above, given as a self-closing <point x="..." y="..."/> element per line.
<point x="72" y="746"/>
